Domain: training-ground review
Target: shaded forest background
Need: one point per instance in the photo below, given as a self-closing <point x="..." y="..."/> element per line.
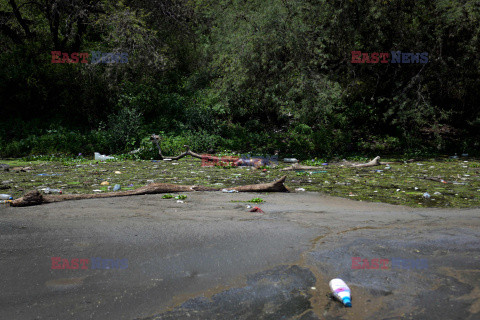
<point x="240" y="75"/>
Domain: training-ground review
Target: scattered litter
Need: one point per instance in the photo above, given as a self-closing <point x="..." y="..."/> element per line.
<point x="96" y="190"/>
<point x="256" y="209"/>
<point x="150" y="181"/>
<point x="4" y="196"/>
<point x="105" y="183"/>
<point x="398" y="190"/>
<point x="324" y="164"/>
<point x="300" y="189"/>
<point x="229" y="191"/>
<point x="426" y="195"/>
<point x="48" y="190"/>
<point x="416" y="188"/>
<point x="290" y="160"/>
<point x="49" y="174"/>
<point x="130" y="185"/>
<point x="249" y="206"/>
<point x="437" y="193"/>
<point x="117" y="187"/>
<point x="6" y="201"/>
<point x="180" y="201"/>
<point x="341" y="291"/>
<point x="420" y="164"/>
<point x="313" y="288"/>
<point x="102" y="157"/>
<point x="118" y="172"/>
<point x="378" y="170"/>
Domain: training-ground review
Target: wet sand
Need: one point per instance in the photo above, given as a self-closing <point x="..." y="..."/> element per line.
<point x="209" y="258"/>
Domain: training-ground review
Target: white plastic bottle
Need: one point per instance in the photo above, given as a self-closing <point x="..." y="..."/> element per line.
<point x="4" y="196"/>
<point x="341" y="291"/>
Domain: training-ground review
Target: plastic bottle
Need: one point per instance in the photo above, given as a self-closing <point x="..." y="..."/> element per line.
<point x="4" y="196"/>
<point x="341" y="291"/>
<point x="117" y="187"/>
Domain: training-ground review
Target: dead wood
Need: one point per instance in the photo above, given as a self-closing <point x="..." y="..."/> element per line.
<point x="434" y="179"/>
<point x="373" y="163"/>
<point x="33" y="198"/>
<point x="156" y="139"/>
<point x="297" y="166"/>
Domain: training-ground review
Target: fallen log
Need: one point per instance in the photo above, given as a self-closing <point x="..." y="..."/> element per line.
<point x="34" y="197"/>
<point x="206" y="159"/>
<point x="297" y="166"/>
<point x="156" y="139"/>
<point x="374" y="162"/>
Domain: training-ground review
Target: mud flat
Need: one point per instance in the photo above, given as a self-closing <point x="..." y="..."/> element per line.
<point x="209" y="258"/>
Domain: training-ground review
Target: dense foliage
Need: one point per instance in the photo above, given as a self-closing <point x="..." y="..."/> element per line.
<point x="242" y="75"/>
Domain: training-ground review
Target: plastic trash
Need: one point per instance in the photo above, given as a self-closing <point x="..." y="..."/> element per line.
<point x="118" y="172"/>
<point x="300" y="189"/>
<point x="256" y="209"/>
<point x="102" y="157"/>
<point x="48" y="191"/>
<point x="426" y="195"/>
<point x="341" y="291"/>
<point x="229" y="191"/>
<point x="105" y="183"/>
<point x="290" y="160"/>
<point x="4" y="196"/>
<point x="6" y="201"/>
<point x="117" y="187"/>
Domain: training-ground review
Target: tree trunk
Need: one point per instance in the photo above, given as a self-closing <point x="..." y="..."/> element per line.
<point x="33" y="198"/>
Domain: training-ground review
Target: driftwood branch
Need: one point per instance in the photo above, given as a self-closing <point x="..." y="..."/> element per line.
<point x="156" y="140"/>
<point x="254" y="162"/>
<point x="33" y="198"/>
<point x="373" y="163"/>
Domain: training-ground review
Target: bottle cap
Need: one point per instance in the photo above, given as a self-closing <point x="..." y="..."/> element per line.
<point x="347" y="302"/>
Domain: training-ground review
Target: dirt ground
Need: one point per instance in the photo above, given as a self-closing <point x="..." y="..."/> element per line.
<point x="209" y="258"/>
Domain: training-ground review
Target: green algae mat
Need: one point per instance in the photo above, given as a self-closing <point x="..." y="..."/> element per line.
<point x="447" y="182"/>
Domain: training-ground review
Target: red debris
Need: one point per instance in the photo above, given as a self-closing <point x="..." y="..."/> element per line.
<point x="256" y="209"/>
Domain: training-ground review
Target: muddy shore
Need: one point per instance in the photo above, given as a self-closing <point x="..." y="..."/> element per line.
<point x="209" y="258"/>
